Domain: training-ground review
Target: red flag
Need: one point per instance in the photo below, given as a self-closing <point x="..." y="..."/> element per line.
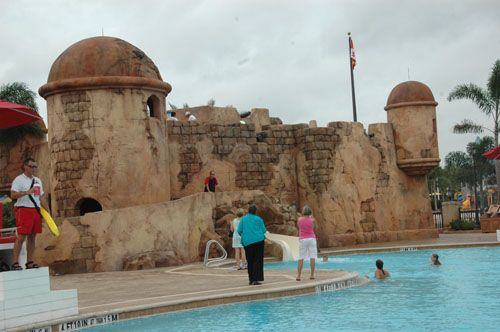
<point x="353" y="56"/>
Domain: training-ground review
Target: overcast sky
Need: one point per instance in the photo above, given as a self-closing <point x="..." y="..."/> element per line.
<point x="289" y="56"/>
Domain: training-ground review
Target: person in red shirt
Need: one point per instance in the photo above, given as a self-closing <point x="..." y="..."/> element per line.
<point x="211" y="182"/>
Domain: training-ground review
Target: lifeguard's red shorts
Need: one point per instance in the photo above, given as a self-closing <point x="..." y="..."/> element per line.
<point x="28" y="221"/>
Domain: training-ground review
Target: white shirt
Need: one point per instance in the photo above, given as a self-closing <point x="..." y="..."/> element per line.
<point x="23" y="183"/>
<point x="192" y="118"/>
<point x="172" y="118"/>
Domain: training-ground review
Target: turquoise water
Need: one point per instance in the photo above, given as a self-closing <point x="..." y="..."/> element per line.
<point x="463" y="294"/>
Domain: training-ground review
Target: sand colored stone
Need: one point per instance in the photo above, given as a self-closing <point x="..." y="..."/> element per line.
<point x="109" y="143"/>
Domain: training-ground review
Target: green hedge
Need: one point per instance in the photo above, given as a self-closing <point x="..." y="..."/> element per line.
<point x="8" y="218"/>
<point x="462" y="225"/>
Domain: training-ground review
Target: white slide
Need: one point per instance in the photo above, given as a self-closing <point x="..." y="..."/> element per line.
<point x="289" y="245"/>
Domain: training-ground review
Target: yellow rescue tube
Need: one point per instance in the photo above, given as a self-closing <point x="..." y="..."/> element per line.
<point x="50" y="222"/>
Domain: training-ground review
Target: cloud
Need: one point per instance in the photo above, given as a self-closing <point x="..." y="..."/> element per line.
<point x="289" y="56"/>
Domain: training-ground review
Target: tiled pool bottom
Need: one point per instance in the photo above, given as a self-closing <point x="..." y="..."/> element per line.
<point x="461" y="295"/>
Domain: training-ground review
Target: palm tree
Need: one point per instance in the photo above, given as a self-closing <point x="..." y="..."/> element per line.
<point x="487" y="101"/>
<point x="19" y="93"/>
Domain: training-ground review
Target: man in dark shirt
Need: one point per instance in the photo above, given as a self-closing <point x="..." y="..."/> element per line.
<point x="211" y="182"/>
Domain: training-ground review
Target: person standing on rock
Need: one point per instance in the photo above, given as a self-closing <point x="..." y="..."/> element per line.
<point x="238" y="247"/>
<point x="172" y="117"/>
<point x="28" y="190"/>
<point x="307" y="241"/>
<point x="190" y="117"/>
<point x="252" y="230"/>
<point x="211" y="182"/>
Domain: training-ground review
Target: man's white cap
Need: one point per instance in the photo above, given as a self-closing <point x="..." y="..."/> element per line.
<point x="188" y="113"/>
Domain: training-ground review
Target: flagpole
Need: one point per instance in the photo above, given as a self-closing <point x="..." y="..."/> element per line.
<point x="352" y="80"/>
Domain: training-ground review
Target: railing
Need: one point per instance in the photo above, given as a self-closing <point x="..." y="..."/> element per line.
<point x="470" y="214"/>
<point x="207" y="260"/>
<point x="438" y="218"/>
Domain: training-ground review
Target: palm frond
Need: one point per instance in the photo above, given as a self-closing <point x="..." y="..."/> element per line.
<point x="494" y="82"/>
<point x="19" y="93"/>
<point x="474" y="93"/>
<point x="467" y="127"/>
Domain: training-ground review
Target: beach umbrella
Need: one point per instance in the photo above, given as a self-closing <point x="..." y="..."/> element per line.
<point x="12" y="115"/>
<point x="493" y="154"/>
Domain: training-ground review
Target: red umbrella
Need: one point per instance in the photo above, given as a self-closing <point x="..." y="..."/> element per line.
<point x="493" y="154"/>
<point x="14" y="115"/>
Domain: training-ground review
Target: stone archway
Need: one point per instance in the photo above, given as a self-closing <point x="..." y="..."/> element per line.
<point x="88" y="205"/>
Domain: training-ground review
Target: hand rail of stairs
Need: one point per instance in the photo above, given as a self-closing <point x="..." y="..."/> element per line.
<point x="207" y="260"/>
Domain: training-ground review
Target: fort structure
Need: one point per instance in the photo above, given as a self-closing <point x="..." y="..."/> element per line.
<point x="126" y="184"/>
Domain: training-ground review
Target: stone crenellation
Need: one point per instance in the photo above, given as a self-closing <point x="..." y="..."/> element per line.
<point x="254" y="169"/>
<point x="72" y="154"/>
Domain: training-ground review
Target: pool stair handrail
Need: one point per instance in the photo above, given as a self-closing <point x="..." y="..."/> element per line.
<point x="207" y="260"/>
<point x="289" y="245"/>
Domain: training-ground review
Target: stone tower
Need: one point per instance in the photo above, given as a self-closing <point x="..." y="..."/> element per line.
<point x="107" y="138"/>
<point x="411" y="109"/>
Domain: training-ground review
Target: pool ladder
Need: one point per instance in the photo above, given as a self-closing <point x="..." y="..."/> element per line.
<point x="207" y="260"/>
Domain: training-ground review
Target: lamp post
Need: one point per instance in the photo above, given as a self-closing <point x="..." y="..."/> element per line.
<point x="474" y="149"/>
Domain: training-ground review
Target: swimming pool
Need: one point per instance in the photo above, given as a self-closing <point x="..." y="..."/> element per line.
<point x="463" y="294"/>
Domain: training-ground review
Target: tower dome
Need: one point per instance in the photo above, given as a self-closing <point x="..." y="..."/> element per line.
<point x="103" y="62"/>
<point x="410" y="93"/>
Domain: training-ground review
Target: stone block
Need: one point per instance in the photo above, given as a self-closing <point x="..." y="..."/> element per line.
<point x="321" y="163"/>
<point x="262" y="147"/>
<point x="195" y="168"/>
<point x="290" y="141"/>
<point x="84" y="108"/>
<point x="82" y="253"/>
<point x="186" y="130"/>
<point x="90" y="264"/>
<point x="88" y="242"/>
<point x="252" y="167"/>
<point x="228" y="140"/>
<point x="270" y="140"/>
<point x="75" y="155"/>
<point x="252" y="141"/>
<point x="317" y="154"/>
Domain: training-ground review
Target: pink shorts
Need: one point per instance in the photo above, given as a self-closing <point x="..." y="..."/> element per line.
<point x="28" y="221"/>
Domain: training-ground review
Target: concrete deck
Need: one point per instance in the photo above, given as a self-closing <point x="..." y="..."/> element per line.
<point x="141" y="293"/>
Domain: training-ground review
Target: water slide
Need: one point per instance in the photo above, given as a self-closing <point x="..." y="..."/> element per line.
<point x="289" y="245"/>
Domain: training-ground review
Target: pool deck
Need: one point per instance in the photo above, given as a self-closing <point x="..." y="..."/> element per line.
<point x="141" y="293"/>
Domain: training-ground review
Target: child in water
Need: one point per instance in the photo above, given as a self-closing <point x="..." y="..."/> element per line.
<point x="435" y="260"/>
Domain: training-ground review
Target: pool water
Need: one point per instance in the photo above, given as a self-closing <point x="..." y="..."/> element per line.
<point x="463" y="294"/>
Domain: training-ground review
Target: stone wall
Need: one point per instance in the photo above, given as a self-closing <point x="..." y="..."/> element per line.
<point x="101" y="241"/>
<point x="352" y="181"/>
<point x="147" y="236"/>
<point x="72" y="152"/>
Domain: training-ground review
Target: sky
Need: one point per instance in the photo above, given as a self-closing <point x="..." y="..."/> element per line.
<point x="291" y="56"/>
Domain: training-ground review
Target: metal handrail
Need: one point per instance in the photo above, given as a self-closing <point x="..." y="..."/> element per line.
<point x="207" y="260"/>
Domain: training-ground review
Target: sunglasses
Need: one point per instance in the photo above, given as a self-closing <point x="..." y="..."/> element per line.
<point x="32" y="166"/>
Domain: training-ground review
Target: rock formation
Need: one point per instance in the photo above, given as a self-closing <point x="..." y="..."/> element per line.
<point x="125" y="183"/>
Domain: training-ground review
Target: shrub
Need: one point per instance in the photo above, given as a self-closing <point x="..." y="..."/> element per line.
<point x="8" y="220"/>
<point x="462" y="225"/>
